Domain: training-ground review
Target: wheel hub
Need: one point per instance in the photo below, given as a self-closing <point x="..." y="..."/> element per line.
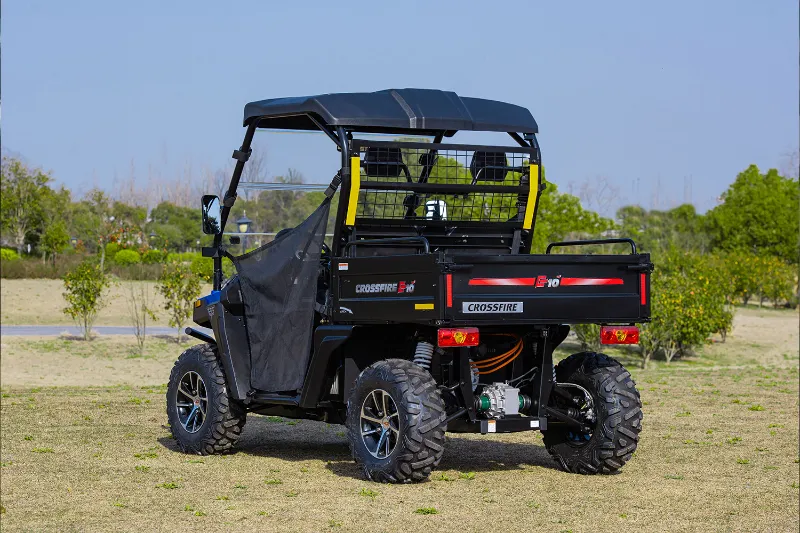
<point x="191" y="401"/>
<point x="380" y="424"/>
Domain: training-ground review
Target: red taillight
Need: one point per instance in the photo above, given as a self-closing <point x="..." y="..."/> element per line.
<point x="619" y="335"/>
<point x="458" y="337"/>
<point x="449" y="289"/>
<point x="643" y="288"/>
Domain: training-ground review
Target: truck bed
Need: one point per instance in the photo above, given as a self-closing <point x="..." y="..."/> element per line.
<point x="478" y="290"/>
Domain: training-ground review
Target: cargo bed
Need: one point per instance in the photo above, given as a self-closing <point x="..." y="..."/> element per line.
<point x="441" y="289"/>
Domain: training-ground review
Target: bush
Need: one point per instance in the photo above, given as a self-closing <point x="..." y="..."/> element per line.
<point x="588" y="335"/>
<point x="688" y="306"/>
<point x="84" y="292"/>
<point x="7" y="254"/>
<point x="111" y="250"/>
<point x="153" y="257"/>
<point x="34" y="268"/>
<point x="127" y="257"/>
<point x="203" y="268"/>
<point x="182" y="257"/>
<point x="179" y="287"/>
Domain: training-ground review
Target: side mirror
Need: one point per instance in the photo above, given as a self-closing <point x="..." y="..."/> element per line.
<point x="212" y="215"/>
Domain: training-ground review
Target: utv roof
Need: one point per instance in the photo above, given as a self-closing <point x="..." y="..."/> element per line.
<point x="392" y="110"/>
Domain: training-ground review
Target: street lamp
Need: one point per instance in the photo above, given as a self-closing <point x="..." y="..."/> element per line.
<point x="243" y="224"/>
<point x="73" y="241"/>
<point x="152" y="236"/>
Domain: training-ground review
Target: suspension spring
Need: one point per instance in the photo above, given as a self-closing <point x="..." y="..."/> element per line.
<point x="423" y="355"/>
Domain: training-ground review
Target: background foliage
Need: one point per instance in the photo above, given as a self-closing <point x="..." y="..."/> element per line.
<point x="744" y="251"/>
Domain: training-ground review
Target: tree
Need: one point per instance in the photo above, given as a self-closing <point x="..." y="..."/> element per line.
<point x="759" y="214"/>
<point x="85" y="288"/>
<point x="94" y="217"/>
<point x="54" y="240"/>
<point x="179" y="287"/>
<point x="21" y="191"/>
<point x="561" y="217"/>
<point x="139" y="310"/>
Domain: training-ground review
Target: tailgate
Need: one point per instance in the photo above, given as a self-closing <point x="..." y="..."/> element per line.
<point x="548" y="289"/>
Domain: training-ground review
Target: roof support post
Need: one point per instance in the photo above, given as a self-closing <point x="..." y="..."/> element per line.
<point x="241" y="155"/>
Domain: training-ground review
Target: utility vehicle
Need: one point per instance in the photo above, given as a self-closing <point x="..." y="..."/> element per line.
<point x="427" y="312"/>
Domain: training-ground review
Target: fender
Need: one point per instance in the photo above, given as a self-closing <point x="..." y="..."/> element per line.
<point x="326" y="340"/>
<point x="225" y="313"/>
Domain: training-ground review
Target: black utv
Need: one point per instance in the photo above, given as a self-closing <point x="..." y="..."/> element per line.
<point x="427" y="311"/>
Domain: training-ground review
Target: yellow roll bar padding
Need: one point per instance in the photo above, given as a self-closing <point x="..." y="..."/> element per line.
<point x="533" y="193"/>
<point x="355" y="186"/>
<point x="423" y="307"/>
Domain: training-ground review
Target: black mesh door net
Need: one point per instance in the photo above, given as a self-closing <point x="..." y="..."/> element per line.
<point x="279" y="288"/>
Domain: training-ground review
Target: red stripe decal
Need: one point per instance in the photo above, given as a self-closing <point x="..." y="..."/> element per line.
<point x="503" y="281"/>
<point x="590" y="281"/>
<point x="643" y="287"/>
<point x="449" y="279"/>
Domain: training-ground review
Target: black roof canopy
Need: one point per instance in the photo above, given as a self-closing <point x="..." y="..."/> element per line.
<point x="412" y="110"/>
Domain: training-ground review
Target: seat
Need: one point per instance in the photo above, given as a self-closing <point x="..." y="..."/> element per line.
<point x="382" y="162"/>
<point x="488" y="166"/>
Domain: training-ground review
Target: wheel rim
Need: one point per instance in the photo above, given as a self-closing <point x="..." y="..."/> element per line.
<point x="191" y="401"/>
<point x="380" y="424"/>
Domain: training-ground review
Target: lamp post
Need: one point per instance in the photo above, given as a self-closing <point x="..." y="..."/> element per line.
<point x="243" y="225"/>
<point x="73" y="241"/>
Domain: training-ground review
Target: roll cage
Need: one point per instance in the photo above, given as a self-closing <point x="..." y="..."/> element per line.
<point x="394" y="195"/>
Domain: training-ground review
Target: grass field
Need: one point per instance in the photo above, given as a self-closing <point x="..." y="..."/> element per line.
<point x="84" y="446"/>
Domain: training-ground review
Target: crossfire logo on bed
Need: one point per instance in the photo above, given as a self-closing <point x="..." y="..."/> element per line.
<point x="401" y="287"/>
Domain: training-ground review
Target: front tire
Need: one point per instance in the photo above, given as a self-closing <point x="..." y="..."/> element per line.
<point x="618" y="416"/>
<point x="203" y="418"/>
<point x="396" y="422"/>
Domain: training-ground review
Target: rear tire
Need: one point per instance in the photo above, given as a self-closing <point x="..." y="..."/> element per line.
<point x="618" y="411"/>
<point x="413" y="421"/>
<point x="218" y="419"/>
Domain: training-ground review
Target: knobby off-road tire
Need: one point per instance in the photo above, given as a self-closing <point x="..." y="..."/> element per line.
<point x="618" y="410"/>
<point x="420" y="420"/>
<point x="224" y="417"/>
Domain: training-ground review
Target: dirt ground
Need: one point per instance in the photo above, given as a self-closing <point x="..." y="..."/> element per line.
<point x="40" y="302"/>
<point x="719" y="452"/>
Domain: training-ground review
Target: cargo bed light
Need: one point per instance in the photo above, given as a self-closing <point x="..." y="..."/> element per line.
<point x="619" y="335"/>
<point x="458" y="337"/>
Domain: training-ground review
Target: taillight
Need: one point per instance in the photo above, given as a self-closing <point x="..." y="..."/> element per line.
<point x="458" y="337"/>
<point x="619" y="335"/>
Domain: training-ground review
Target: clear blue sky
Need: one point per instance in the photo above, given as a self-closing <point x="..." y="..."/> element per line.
<point x="647" y="91"/>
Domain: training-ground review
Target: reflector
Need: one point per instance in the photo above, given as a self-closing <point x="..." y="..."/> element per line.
<point x="619" y="335"/>
<point x="458" y="337"/>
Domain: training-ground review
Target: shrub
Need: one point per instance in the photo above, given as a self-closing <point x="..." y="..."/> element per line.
<point x="688" y="305"/>
<point x="179" y="287"/>
<point x="7" y="254"/>
<point x="111" y="250"/>
<point x="588" y="335"/>
<point x="778" y="282"/>
<point x="127" y="257"/>
<point x="203" y="268"/>
<point x="85" y="288"/>
<point x="152" y="257"/>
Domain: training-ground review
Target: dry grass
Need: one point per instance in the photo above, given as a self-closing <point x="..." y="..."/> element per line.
<point x="40" y="301"/>
<point x="719" y="452"/>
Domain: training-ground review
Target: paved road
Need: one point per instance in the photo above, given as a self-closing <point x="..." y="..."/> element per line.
<point x="72" y="330"/>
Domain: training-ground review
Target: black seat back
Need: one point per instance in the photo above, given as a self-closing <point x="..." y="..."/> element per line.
<point x="488" y="166"/>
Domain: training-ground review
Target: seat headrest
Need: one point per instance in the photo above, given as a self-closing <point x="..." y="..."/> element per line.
<point x="383" y="162"/>
<point x="488" y="166"/>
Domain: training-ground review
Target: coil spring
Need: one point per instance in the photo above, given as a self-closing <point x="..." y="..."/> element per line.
<point x="423" y="355"/>
<point x="554" y="375"/>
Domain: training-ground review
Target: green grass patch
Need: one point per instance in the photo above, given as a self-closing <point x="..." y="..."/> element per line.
<point x="42" y="450"/>
<point x="426" y="510"/>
